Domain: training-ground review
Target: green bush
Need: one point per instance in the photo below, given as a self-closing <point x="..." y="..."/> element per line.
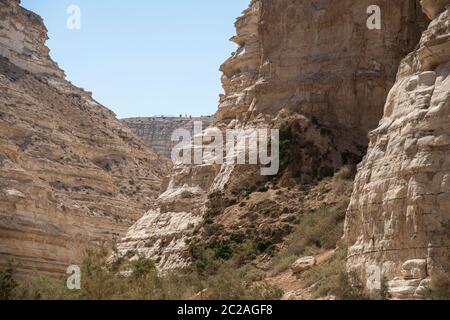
<point x="217" y="203"/>
<point x="263" y="245"/>
<point x="224" y="252"/>
<point x="286" y="143"/>
<point x="7" y="283"/>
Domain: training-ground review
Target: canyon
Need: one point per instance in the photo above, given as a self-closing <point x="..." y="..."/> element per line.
<point x="364" y="128"/>
<point x="72" y="177"/>
<point x="312" y="64"/>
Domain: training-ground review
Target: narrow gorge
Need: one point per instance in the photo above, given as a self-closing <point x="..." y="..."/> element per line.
<point x="364" y="181"/>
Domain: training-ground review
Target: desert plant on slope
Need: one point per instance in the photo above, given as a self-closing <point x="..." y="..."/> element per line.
<point x="317" y="230"/>
<point x="7" y="283"/>
<point x="140" y="280"/>
<point x="332" y="279"/>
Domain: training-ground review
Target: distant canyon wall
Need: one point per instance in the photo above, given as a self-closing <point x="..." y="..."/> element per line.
<point x="157" y="132"/>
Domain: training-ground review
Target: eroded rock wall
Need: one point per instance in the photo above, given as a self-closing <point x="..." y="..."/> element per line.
<point x="317" y="58"/>
<point x="72" y="177"/>
<point x="157" y="132"/>
<point x="399" y="218"/>
<point x="314" y="63"/>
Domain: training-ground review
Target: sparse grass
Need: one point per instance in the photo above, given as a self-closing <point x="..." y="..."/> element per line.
<point x="7" y="283"/>
<point x="143" y="282"/>
<point x="317" y="230"/>
<point x="439" y="288"/>
<point x="282" y="263"/>
<point x="332" y="278"/>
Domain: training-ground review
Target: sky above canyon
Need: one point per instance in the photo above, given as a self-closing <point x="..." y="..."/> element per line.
<point x="144" y="57"/>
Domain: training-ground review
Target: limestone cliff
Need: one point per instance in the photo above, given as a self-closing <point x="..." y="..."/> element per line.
<point x="311" y="64"/>
<point x="399" y="218"/>
<point x="72" y="177"/>
<point x="157" y="132"/>
<point x="317" y="58"/>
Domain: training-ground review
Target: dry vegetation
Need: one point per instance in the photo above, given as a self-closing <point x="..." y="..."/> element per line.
<point x="141" y="281"/>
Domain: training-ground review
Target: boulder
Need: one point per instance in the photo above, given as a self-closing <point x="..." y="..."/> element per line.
<point x="303" y="264"/>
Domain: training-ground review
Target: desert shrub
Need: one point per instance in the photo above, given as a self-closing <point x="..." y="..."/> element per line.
<point x="224" y="252"/>
<point x="320" y="229"/>
<point x="345" y="173"/>
<point x="286" y="144"/>
<point x="439" y="288"/>
<point x="217" y="203"/>
<point x="332" y="278"/>
<point x="213" y="229"/>
<point x="140" y="280"/>
<point x="7" y="283"/>
<point x="267" y="208"/>
<point x="263" y="245"/>
<point x="231" y="284"/>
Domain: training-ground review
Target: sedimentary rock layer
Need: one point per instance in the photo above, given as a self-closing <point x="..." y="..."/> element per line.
<point x="157" y="132"/>
<point x="315" y="62"/>
<point x="317" y="58"/>
<point x="399" y="218"/>
<point x="72" y="177"/>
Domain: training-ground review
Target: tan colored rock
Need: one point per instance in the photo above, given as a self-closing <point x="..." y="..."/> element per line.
<point x="72" y="177"/>
<point x="399" y="216"/>
<point x="414" y="269"/>
<point x="303" y="264"/>
<point x="403" y="289"/>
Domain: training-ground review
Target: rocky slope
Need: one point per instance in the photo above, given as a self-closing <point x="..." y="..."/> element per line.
<point x="72" y="176"/>
<point x="157" y="132"/>
<point x="315" y="70"/>
<point x="399" y="218"/>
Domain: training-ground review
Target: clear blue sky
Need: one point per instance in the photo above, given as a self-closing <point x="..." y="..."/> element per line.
<point x="144" y="57"/>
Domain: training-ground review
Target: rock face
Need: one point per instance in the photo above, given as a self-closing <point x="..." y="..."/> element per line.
<point x="72" y="176"/>
<point x="22" y="40"/>
<point x="312" y="61"/>
<point x="317" y="58"/>
<point x="399" y="218"/>
<point x="157" y="132"/>
<point x="162" y="233"/>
